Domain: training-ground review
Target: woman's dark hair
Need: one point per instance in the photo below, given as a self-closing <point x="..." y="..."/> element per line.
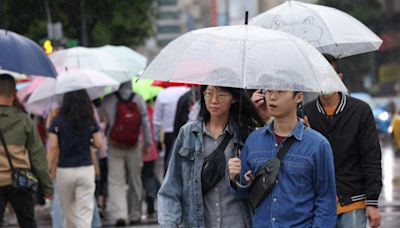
<point x="250" y="119"/>
<point x="77" y="110"/>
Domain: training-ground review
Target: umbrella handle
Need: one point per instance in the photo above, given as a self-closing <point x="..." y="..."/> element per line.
<point x="243" y="186"/>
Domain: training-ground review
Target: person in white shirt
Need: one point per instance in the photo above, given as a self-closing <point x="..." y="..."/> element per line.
<point x="164" y="116"/>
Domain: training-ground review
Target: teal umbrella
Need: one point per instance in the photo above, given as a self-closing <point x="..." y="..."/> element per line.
<point x="130" y="59"/>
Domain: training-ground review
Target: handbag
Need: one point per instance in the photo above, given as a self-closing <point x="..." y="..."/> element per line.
<point x="22" y="178"/>
<point x="214" y="166"/>
<point x="265" y="178"/>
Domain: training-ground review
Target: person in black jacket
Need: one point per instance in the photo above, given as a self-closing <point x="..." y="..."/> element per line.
<point x="349" y="126"/>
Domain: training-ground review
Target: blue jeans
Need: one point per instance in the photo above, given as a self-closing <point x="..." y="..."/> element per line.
<point x="352" y="219"/>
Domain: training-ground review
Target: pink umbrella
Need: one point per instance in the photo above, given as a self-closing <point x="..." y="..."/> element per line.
<point x="23" y="94"/>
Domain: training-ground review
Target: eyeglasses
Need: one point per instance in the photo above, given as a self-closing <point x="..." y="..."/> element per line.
<point x="220" y="96"/>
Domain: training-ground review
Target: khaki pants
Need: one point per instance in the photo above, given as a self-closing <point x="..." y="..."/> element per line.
<point x="124" y="167"/>
<point x="76" y="187"/>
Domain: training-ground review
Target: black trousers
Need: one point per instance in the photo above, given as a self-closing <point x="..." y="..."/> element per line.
<point x="22" y="203"/>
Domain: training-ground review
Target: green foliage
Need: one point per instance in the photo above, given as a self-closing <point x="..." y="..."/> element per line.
<point x="126" y="22"/>
<point x="26" y="17"/>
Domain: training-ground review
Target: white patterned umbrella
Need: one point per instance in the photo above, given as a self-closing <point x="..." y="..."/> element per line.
<point x="328" y="29"/>
<point x="244" y="56"/>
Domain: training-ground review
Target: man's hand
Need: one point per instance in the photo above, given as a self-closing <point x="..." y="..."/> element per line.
<point x="374" y="216"/>
<point x="258" y="99"/>
<point x="234" y="168"/>
<point x="248" y="176"/>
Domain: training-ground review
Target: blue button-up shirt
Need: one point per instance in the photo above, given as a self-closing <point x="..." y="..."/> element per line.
<point x="304" y="194"/>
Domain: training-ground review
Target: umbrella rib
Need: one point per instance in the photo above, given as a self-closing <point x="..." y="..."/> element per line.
<point x="244" y="58"/>
<point x="311" y="66"/>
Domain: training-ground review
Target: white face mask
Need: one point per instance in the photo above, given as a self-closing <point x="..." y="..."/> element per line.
<point x="327" y="95"/>
<point x="125" y="90"/>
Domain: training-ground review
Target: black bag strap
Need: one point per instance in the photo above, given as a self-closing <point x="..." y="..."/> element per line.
<point x="221" y="147"/>
<point x="285" y="148"/>
<point x="3" y="141"/>
<point x="214" y="166"/>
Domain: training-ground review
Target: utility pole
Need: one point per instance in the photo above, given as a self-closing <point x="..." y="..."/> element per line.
<point x="49" y="19"/>
<point x="84" y="30"/>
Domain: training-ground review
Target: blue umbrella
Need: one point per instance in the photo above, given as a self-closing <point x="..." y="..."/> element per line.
<point x="21" y="55"/>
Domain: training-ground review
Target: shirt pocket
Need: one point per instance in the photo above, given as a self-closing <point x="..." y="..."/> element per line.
<point x="297" y="177"/>
<point x="258" y="159"/>
<point x="188" y="161"/>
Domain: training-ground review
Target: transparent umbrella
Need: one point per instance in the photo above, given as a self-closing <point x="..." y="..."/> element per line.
<point x="133" y="61"/>
<point x="89" y="58"/>
<point x="328" y="29"/>
<point x="244" y="56"/>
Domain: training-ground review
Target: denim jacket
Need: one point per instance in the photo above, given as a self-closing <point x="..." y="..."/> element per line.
<point x="180" y="199"/>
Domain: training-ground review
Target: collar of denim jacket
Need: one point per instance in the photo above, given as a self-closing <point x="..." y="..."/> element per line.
<point x="297" y="132"/>
<point x="231" y="129"/>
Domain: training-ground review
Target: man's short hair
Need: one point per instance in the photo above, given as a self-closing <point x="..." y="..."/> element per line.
<point x="7" y="85"/>
<point x="333" y="61"/>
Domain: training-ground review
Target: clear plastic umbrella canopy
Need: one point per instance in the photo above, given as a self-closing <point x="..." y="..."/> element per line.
<point x="49" y="93"/>
<point x="328" y="29"/>
<point x="130" y="59"/>
<point x="244" y="56"/>
<point x="89" y="58"/>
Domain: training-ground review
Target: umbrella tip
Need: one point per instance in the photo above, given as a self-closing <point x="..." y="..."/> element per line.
<point x="246" y="18"/>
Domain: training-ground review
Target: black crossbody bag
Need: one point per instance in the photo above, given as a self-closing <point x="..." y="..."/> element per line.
<point x="214" y="166"/>
<point x="22" y="178"/>
<point x="265" y="178"/>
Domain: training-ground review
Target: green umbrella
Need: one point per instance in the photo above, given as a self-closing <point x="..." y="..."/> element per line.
<point x="145" y="88"/>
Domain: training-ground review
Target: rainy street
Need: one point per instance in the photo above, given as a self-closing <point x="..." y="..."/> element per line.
<point x="189" y="113"/>
<point x="389" y="199"/>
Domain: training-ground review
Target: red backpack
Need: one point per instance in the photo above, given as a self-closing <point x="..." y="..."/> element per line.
<point x="126" y="129"/>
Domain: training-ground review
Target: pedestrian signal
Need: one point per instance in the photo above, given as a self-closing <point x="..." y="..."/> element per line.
<point x="48" y="47"/>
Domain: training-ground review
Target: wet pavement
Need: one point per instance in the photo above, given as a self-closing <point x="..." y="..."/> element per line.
<point x="389" y="199"/>
<point x="390" y="196"/>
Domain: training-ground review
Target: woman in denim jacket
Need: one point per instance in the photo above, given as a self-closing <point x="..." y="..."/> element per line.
<point x="180" y="199"/>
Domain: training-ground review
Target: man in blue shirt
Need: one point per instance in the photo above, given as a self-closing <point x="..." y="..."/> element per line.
<point x="304" y="193"/>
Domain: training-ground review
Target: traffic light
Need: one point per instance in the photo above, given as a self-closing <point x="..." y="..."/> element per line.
<point x="48" y="47"/>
